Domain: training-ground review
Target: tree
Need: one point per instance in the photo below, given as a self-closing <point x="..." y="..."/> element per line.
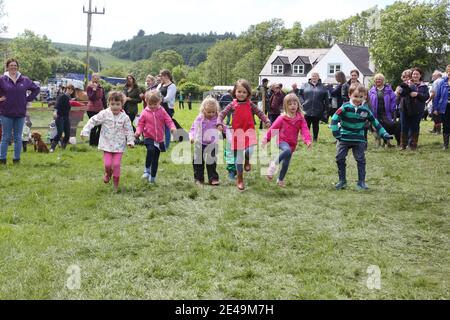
<point x="411" y="34"/>
<point x="294" y="37"/>
<point x="222" y="59"/>
<point x="33" y="52"/>
<point x="264" y="37"/>
<point x="322" y="34"/>
<point x="64" y="65"/>
<point x="248" y="68"/>
<point x="115" y="71"/>
<point x="165" y="60"/>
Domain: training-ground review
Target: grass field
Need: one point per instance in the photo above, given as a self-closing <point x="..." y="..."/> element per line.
<point x="175" y="240"/>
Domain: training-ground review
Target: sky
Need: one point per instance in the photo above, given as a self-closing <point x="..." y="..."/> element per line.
<point x="64" y="21"/>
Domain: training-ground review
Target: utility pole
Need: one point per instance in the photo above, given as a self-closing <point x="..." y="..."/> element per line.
<point x="89" y="12"/>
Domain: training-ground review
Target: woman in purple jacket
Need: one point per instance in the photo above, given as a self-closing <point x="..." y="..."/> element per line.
<point x="13" y="107"/>
<point x="383" y="101"/>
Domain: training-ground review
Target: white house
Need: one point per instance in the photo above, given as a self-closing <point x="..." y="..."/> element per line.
<point x="289" y="66"/>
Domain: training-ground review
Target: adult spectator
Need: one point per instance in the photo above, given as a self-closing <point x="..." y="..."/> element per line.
<point x="133" y="98"/>
<point x="412" y="104"/>
<point x="441" y="107"/>
<point x="224" y="102"/>
<point x="295" y="90"/>
<point x="168" y="92"/>
<point x="354" y="74"/>
<point x="263" y="98"/>
<point x="276" y="103"/>
<point x="336" y="93"/>
<point x="383" y="102"/>
<point x="314" y="97"/>
<point x="13" y="107"/>
<point x="181" y="100"/>
<point x="151" y="85"/>
<point x="436" y="78"/>
<point x="96" y="95"/>
<point x="189" y="101"/>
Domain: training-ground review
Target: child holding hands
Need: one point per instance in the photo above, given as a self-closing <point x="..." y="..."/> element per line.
<point x="287" y="127"/>
<point x="152" y="124"/>
<point x="243" y="127"/>
<point x="115" y="135"/>
<point x="204" y="136"/>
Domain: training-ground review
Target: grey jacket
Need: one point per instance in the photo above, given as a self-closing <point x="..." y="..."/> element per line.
<point x="314" y="99"/>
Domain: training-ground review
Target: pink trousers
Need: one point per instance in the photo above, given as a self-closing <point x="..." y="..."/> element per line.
<point x="112" y="166"/>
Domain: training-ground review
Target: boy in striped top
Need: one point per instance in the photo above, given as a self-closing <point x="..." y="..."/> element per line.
<point x="350" y="134"/>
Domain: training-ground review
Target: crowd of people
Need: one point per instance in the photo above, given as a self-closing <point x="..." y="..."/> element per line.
<point x="354" y="110"/>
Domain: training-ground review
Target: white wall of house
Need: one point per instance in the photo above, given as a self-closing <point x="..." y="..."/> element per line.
<point x="334" y="56"/>
<point x="286" y="81"/>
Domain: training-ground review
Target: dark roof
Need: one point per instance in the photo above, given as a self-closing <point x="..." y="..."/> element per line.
<point x="284" y="60"/>
<point x="302" y="60"/>
<point x="359" y="56"/>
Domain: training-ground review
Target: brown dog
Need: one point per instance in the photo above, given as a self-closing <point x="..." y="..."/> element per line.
<point x="39" y="145"/>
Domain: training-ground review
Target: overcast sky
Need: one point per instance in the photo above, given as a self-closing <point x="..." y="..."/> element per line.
<point x="64" y="21"/>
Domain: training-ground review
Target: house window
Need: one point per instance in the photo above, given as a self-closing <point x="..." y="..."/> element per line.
<point x="278" y="69"/>
<point x="299" y="69"/>
<point x="333" y="68"/>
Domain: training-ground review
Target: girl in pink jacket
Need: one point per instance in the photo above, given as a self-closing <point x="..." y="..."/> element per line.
<point x="287" y="127"/>
<point x="152" y="124"/>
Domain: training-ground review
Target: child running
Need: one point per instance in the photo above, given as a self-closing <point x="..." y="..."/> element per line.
<point x="204" y="135"/>
<point x="115" y="135"/>
<point x="287" y="127"/>
<point x="243" y="125"/>
<point x="152" y="124"/>
<point x="350" y="135"/>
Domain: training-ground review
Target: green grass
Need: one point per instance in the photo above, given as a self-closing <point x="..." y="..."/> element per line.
<point x="178" y="241"/>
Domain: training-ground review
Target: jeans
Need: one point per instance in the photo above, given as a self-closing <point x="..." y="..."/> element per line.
<point x="152" y="161"/>
<point x="358" y="149"/>
<point x="167" y="133"/>
<point x="284" y="159"/>
<point x="205" y="155"/>
<point x="445" y="119"/>
<point x="241" y="156"/>
<point x="12" y="126"/>
<point x="63" y="126"/>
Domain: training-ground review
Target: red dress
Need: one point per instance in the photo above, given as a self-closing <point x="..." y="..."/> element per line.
<point x="244" y="134"/>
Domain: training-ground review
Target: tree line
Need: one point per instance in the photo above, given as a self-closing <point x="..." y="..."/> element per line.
<point x="402" y="35"/>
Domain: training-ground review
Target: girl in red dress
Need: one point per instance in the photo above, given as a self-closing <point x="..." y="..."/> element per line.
<point x="243" y="127"/>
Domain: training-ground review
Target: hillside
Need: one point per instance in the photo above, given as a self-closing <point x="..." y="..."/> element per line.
<point x="192" y="47"/>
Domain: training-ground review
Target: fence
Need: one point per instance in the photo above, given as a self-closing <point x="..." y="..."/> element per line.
<point x="76" y="117"/>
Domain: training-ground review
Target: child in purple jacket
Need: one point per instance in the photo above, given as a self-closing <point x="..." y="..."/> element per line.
<point x="204" y="136"/>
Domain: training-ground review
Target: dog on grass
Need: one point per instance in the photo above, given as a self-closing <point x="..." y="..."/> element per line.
<point x="39" y="145"/>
